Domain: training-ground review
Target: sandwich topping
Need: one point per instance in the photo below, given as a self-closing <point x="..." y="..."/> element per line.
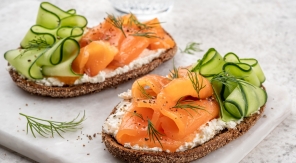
<point x="58" y="51"/>
<point x="190" y="105"/>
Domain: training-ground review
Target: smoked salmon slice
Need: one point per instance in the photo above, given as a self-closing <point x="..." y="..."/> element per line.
<point x="94" y="57"/>
<point x="175" y="110"/>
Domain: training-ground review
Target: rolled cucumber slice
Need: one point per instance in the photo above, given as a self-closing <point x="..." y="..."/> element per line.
<point x="63" y="69"/>
<point x="242" y="71"/>
<point x="211" y="64"/>
<point x="256" y="67"/>
<point x="25" y="62"/>
<point x="231" y="57"/>
<point x="37" y="63"/>
<point x="50" y="15"/>
<point x="235" y="104"/>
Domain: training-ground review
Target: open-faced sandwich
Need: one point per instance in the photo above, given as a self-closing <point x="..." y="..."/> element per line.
<point x="188" y="113"/>
<point x="60" y="57"/>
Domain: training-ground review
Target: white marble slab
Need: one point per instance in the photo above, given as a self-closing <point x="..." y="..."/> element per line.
<point x="262" y="29"/>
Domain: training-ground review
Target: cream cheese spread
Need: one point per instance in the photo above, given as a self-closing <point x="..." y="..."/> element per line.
<point x="207" y="131"/>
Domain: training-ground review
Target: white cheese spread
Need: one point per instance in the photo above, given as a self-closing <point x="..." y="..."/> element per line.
<point x="207" y="131"/>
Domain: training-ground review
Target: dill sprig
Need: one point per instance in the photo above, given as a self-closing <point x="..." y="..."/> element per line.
<point x="175" y="72"/>
<point x="133" y="20"/>
<point x="37" y="43"/>
<point x="191" y="47"/>
<point x="193" y="76"/>
<point x="117" y="22"/>
<point x="226" y="79"/>
<point x="153" y="133"/>
<point x="151" y="130"/>
<point x="145" y="34"/>
<point x="188" y="104"/>
<point x="143" y="91"/>
<point x="134" y="113"/>
<point x="45" y="127"/>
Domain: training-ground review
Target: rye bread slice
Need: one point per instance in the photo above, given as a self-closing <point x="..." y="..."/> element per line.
<point x="87" y="88"/>
<point x="220" y="140"/>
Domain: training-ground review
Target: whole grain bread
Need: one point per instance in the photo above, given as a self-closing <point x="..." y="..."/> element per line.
<point x="87" y="88"/>
<point x="220" y="140"/>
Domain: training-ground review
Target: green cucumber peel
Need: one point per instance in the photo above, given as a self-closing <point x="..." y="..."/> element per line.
<point x="231" y="57"/>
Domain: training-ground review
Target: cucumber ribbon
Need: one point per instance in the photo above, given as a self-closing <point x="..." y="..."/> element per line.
<point x="51" y="45"/>
<point x="236" y="83"/>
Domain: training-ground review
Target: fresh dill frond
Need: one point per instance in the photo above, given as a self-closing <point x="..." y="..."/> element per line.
<point x="188" y="104"/>
<point x="46" y="127"/>
<point x="37" y="43"/>
<point x="117" y="22"/>
<point x="193" y="76"/>
<point x="145" y="34"/>
<point x="175" y="72"/>
<point x="134" y="113"/>
<point x="153" y="133"/>
<point x="143" y="91"/>
<point x="226" y="79"/>
<point x="191" y="47"/>
<point x="133" y="20"/>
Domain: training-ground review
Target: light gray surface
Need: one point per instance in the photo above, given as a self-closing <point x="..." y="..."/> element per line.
<point x="262" y="29"/>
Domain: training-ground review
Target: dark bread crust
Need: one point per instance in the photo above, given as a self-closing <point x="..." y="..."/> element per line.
<point x="87" y="88"/>
<point x="221" y="139"/>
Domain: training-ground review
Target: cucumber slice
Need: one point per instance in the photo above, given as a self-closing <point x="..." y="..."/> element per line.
<point x="62" y="69"/>
<point x="231" y="57"/>
<point x="227" y="89"/>
<point x="58" y="59"/>
<point x="256" y="67"/>
<point x="243" y="71"/>
<point x="74" y="21"/>
<point x="25" y="62"/>
<point x="251" y="98"/>
<point x="235" y="104"/>
<point x="225" y="116"/>
<point x="12" y="54"/>
<point x="60" y="52"/>
<point x="50" y="15"/>
<point x="39" y="34"/>
<point x="64" y="32"/>
<point x="211" y="64"/>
